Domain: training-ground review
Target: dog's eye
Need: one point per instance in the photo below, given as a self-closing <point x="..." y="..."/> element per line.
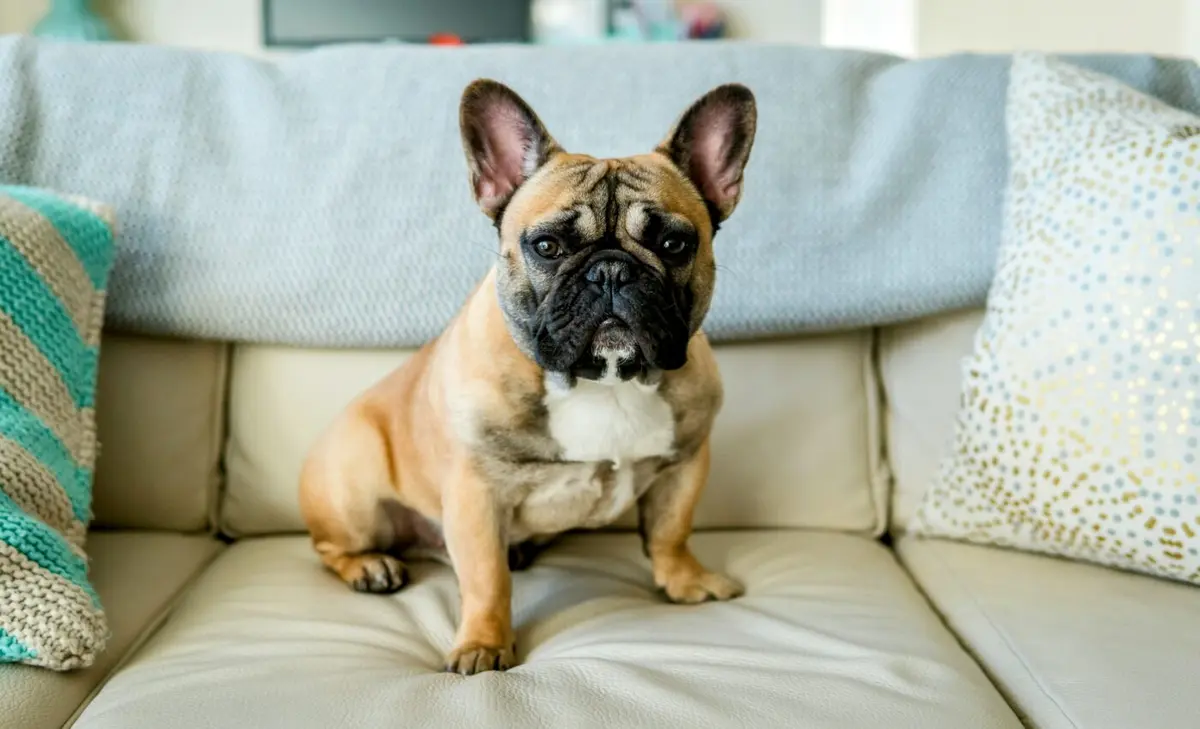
<point x="547" y="247"/>
<point x="673" y="246"/>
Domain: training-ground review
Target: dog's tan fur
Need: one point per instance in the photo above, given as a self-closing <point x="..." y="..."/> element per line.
<point x="413" y="460"/>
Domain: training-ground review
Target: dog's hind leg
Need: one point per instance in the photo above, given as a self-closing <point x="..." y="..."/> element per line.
<point x="343" y="486"/>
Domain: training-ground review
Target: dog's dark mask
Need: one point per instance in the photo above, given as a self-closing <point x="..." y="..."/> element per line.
<point x="607" y="268"/>
<point x="606" y="312"/>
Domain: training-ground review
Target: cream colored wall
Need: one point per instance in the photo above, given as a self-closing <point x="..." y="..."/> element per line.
<point x="224" y="25"/>
<point x="1139" y="26"/>
<point x="779" y="21"/>
<point x="1191" y="28"/>
<point x="905" y="27"/>
<point x="236" y="25"/>
<point x="938" y="27"/>
<point x="17" y="16"/>
<point x="889" y="26"/>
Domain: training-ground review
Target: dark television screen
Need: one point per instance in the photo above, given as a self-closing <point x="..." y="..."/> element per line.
<point x="316" y="22"/>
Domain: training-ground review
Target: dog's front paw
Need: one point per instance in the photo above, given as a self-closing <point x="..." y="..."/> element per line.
<point x="699" y="586"/>
<point x="471" y="658"/>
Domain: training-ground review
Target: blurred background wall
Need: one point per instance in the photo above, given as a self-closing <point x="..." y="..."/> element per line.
<point x="906" y="27"/>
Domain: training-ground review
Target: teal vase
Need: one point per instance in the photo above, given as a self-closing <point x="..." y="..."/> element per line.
<point x="72" y="20"/>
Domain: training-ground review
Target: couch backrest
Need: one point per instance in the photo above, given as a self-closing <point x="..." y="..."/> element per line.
<point x="920" y="364"/>
<point x="805" y="450"/>
<point x="160" y="422"/>
<point x="796" y="445"/>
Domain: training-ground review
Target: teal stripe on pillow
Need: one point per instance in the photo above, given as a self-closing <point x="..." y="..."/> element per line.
<point x="26" y="430"/>
<point x="77" y="226"/>
<point x="11" y="649"/>
<point x="34" y="308"/>
<point x="55" y="256"/>
<point x="43" y="546"/>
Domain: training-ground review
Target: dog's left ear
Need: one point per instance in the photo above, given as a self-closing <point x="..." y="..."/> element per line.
<point x="504" y="142"/>
<point x="711" y="145"/>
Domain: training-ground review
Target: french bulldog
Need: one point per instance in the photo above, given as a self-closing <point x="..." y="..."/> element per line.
<point x="574" y="383"/>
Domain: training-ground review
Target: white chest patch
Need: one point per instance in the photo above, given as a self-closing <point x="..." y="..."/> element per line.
<point x="604" y="429"/>
<point x="621" y="422"/>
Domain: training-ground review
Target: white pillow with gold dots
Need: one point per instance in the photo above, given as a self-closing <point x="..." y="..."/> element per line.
<point x="1080" y="407"/>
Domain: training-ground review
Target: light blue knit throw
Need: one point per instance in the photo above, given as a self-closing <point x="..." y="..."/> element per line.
<point x="323" y="199"/>
<point x="55" y="257"/>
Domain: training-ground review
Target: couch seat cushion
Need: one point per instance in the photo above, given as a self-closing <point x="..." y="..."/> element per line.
<point x="137" y="576"/>
<point x="832" y="633"/>
<point x="1071" y="645"/>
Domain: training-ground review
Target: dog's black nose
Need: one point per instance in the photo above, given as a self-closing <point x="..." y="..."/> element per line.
<point x="610" y="273"/>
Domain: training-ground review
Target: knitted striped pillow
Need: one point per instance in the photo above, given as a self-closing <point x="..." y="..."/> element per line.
<point x="55" y="256"/>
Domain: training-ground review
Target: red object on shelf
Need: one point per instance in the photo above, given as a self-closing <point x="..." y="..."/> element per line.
<point x="445" y="39"/>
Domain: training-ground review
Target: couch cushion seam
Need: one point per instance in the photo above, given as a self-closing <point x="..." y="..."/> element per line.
<point x="152" y="626"/>
<point x="219" y="433"/>
<point x="1000" y="633"/>
<point x="879" y="476"/>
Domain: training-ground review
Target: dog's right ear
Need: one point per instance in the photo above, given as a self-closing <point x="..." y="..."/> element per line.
<point x="504" y="141"/>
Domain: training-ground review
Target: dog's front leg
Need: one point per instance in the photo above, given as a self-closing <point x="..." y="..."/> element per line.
<point x="665" y="516"/>
<point x="473" y="526"/>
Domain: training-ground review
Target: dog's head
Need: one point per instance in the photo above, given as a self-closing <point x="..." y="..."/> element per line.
<point x="607" y="265"/>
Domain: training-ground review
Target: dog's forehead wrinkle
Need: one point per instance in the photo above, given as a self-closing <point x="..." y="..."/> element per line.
<point x="637" y="215"/>
<point x="595" y="176"/>
<point x="587" y="223"/>
<point x="557" y="218"/>
<point x="637" y="176"/>
<point x="612" y="211"/>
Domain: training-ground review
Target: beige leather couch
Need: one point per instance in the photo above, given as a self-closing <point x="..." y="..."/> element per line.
<point x="222" y="617"/>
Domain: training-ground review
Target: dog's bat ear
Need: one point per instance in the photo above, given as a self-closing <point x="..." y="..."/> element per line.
<point x="504" y="141"/>
<point x="711" y="145"/>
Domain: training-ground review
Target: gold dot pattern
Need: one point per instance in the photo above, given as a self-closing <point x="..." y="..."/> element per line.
<point x="1080" y="406"/>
